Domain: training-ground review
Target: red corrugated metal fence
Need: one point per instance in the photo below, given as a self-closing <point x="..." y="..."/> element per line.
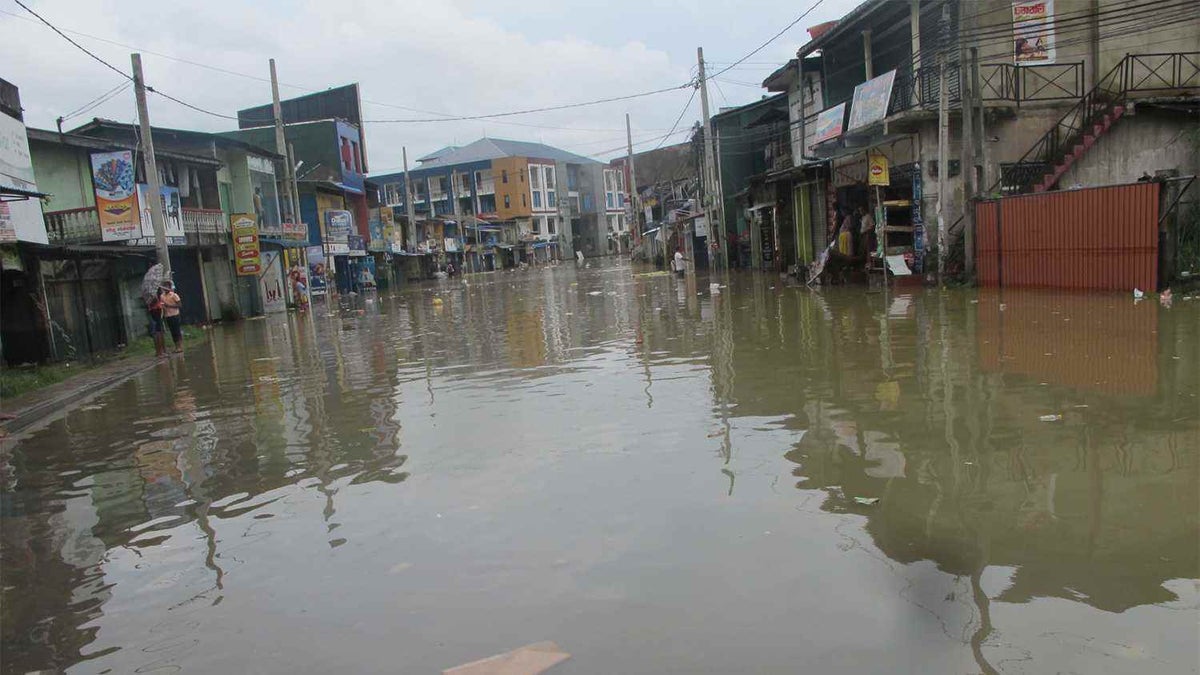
<point x="1090" y="239"/>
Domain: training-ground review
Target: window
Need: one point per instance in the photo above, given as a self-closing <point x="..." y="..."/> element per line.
<point x="608" y="200"/>
<point x="523" y="202"/>
<point x="549" y="177"/>
<point x="587" y="203"/>
<point x="620" y="223"/>
<point x="507" y="203"/>
<point x="535" y="177"/>
<point x="537" y="200"/>
<point x="503" y="175"/>
<point x="522" y="175"/>
<point x="550" y="200"/>
<point x="537" y="225"/>
<point x="551" y="225"/>
<point x="354" y="154"/>
<point x="346" y="161"/>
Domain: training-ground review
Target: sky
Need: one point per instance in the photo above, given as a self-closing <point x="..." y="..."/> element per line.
<point x="412" y="60"/>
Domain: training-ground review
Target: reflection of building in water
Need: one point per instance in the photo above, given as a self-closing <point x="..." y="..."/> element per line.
<point x="1090" y="342"/>
<point x="525" y="338"/>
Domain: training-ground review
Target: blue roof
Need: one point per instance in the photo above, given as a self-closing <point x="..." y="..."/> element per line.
<point x="495" y="148"/>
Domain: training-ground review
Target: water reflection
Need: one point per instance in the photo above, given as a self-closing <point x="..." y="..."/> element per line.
<point x="599" y="453"/>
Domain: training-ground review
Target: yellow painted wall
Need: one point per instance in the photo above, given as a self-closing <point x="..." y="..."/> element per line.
<point x="516" y="189"/>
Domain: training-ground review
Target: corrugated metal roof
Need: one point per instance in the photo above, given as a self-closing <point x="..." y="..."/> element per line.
<point x="495" y="148"/>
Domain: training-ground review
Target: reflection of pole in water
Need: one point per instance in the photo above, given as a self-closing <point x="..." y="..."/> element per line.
<point x="722" y="376"/>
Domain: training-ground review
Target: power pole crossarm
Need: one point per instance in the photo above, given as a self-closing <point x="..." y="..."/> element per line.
<point x="152" y="183"/>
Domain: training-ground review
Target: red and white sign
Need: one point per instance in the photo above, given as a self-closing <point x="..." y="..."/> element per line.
<point x="1033" y="32"/>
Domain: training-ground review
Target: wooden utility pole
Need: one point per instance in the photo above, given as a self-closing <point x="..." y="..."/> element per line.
<point x="154" y="190"/>
<point x="281" y="144"/>
<point x="712" y="215"/>
<point x="410" y="208"/>
<point x="943" y="149"/>
<point x="631" y="192"/>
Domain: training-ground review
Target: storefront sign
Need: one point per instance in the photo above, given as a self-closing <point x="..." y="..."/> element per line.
<point x="172" y="215"/>
<point x="116" y="198"/>
<point x="877" y="170"/>
<point x="297" y="232"/>
<point x="337" y="231"/>
<point x="1033" y="32"/>
<point x="355" y="245"/>
<point x="246" y="253"/>
<point x="830" y="124"/>
<point x="20" y="220"/>
<point x="870" y="101"/>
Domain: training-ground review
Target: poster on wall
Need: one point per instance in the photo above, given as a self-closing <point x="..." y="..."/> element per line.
<point x="376" y="242"/>
<point x="20" y="220"/>
<point x="270" y="282"/>
<point x="316" y="270"/>
<point x="247" y="257"/>
<point x="1033" y="32"/>
<point x="116" y="198"/>
<point x="295" y="232"/>
<point x="870" y="103"/>
<point x="172" y="214"/>
<point x="830" y="124"/>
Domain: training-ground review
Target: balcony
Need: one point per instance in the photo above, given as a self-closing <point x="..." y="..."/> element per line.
<point x="203" y="221"/>
<point x="73" y="226"/>
<point x="485" y="187"/>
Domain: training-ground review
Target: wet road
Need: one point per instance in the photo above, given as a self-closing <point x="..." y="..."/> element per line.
<point x="657" y="479"/>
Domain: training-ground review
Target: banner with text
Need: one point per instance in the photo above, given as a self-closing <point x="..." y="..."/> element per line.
<point x="246" y="252"/>
<point x="116" y="198"/>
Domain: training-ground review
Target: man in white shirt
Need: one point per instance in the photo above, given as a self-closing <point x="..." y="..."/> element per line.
<point x="680" y="266"/>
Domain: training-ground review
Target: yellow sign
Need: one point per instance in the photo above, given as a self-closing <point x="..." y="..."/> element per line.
<point x="877" y="170"/>
<point x="246" y="253"/>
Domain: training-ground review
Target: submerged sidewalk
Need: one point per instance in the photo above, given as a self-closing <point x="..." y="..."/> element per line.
<point x="29" y="409"/>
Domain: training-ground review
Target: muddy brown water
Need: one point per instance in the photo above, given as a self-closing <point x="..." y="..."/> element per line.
<point x="768" y="480"/>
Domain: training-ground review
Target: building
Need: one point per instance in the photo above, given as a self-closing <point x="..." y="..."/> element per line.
<point x="495" y="202"/>
<point x="1057" y="95"/>
<point x="236" y="178"/>
<point x="668" y="189"/>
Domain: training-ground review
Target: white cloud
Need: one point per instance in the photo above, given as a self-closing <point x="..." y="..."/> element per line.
<point x="433" y="56"/>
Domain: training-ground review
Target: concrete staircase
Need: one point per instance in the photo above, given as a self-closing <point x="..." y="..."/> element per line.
<point x="1085" y="140"/>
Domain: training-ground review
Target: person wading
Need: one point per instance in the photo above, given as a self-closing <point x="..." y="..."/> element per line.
<point x="170" y="314"/>
<point x="155" y="308"/>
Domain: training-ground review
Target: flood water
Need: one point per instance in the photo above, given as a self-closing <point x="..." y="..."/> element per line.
<point x="655" y="478"/>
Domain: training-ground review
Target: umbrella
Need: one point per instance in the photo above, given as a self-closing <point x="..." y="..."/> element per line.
<point x="154" y="278"/>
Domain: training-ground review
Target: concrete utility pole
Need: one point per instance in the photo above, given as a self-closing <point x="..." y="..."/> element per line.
<point x="943" y="149"/>
<point x="711" y="189"/>
<point x="631" y="192"/>
<point x="281" y="144"/>
<point x="155" y="190"/>
<point x="291" y="160"/>
<point x="410" y="208"/>
<point x="966" y="87"/>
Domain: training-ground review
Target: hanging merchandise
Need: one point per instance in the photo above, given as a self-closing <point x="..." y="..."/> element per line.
<point x="185" y="183"/>
<point x="877" y="170"/>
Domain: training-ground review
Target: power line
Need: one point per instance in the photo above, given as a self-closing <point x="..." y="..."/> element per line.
<point x="99" y="100"/>
<point x="677" y="119"/>
<point x="565" y="106"/>
<point x="773" y="38"/>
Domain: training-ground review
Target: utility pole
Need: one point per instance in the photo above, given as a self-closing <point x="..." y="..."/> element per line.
<point x="631" y="192"/>
<point x="291" y="160"/>
<point x="410" y="208"/>
<point x="153" y="188"/>
<point x="711" y="189"/>
<point x="281" y="143"/>
<point x="966" y="87"/>
<point x="943" y="149"/>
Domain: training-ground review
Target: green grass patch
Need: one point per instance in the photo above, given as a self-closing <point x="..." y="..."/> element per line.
<point x="24" y="379"/>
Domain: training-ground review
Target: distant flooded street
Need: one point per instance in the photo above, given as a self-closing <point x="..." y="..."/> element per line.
<point x="771" y="479"/>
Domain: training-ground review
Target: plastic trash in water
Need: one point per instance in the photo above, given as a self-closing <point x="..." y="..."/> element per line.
<point x="867" y="501"/>
<point x="1138" y="294"/>
<point x="714" y="288"/>
<point x="1050" y="418"/>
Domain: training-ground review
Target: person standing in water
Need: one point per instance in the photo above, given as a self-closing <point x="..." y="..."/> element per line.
<point x="171" y="304"/>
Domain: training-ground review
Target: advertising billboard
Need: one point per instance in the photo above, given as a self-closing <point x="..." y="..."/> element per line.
<point x="830" y="124"/>
<point x="870" y="103"/>
<point x="116" y="195"/>
<point x="246" y="253"/>
<point x="20" y="220"/>
<point x="172" y="215"/>
<point x="316" y="270"/>
<point x="337" y="231"/>
<point x="1033" y="32"/>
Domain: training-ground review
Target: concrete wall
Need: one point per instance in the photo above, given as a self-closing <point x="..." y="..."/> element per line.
<point x="516" y="187"/>
<point x="65" y="174"/>
<point x="1143" y="142"/>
